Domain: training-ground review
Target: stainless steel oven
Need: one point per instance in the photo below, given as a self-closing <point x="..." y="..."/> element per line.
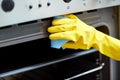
<point x="25" y="46"/>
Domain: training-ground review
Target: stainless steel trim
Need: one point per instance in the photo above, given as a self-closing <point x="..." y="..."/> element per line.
<point x="86" y="72"/>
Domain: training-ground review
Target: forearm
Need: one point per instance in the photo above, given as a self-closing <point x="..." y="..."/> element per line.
<point x="107" y="45"/>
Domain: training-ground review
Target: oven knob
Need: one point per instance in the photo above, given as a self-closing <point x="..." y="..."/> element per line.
<point x="67" y="1"/>
<point x="7" y="5"/>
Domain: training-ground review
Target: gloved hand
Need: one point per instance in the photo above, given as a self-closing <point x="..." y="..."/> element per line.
<point x="83" y="36"/>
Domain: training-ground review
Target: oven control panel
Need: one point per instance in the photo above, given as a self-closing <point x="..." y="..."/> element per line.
<point x="19" y="11"/>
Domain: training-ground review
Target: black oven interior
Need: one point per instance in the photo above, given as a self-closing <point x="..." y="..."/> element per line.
<point x="39" y="52"/>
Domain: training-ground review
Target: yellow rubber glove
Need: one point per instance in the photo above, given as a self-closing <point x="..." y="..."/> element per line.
<point x="83" y="36"/>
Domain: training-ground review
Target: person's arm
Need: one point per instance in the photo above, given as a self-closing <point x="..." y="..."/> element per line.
<point x="83" y="36"/>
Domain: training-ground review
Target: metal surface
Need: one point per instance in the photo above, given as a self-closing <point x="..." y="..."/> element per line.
<point x="87" y="72"/>
<point x="23" y="32"/>
<point x="29" y="10"/>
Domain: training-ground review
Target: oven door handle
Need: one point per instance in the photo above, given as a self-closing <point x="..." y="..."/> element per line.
<point x="86" y="72"/>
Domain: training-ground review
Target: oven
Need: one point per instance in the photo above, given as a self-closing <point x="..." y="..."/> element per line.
<point x="25" y="46"/>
